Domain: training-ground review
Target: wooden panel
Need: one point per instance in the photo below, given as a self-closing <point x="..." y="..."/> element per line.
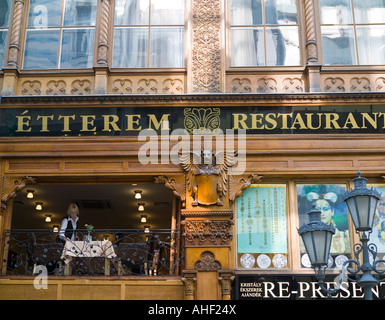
<point x="91" y="291"/>
<point x="323" y="163"/>
<point x="17" y="291"/>
<point x="207" y="286"/>
<point x="154" y="291"/>
<point x="94" y="166"/>
<point x="22" y="166"/>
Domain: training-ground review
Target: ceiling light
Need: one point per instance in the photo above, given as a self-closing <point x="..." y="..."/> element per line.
<point x="141" y="206"/>
<point x="56" y="228"/>
<point x="147" y="229"/>
<point x="138" y="194"/>
<point x="30" y="194"/>
<point x="143" y="218"/>
<point x="48" y="217"/>
<point x="39" y="205"/>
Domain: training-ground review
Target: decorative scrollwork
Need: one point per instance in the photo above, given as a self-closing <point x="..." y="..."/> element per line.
<point x="207" y="262"/>
<point x="207" y="232"/>
<point x="201" y="119"/>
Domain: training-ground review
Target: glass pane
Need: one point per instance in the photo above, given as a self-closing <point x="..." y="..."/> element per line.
<point x="132" y="12"/>
<point x="262" y="227"/>
<point x="246" y="12"/>
<point x="338" y="45"/>
<point x="369" y="11"/>
<point x="77" y="48"/>
<point x="166" y="48"/>
<point x="44" y="13"/>
<point x="378" y="233"/>
<point x="247" y="47"/>
<point x="41" y="49"/>
<point x="336" y="11"/>
<point x="281" y="11"/>
<point x="3" y="43"/>
<point x="5" y="10"/>
<point x="130" y="48"/>
<point x="328" y="200"/>
<point x="80" y="12"/>
<point x="282" y="46"/>
<point x="371" y="44"/>
<point x="165" y="12"/>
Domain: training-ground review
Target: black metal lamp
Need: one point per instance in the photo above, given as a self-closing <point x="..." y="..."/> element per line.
<point x="317" y="238"/>
<point x="362" y="204"/>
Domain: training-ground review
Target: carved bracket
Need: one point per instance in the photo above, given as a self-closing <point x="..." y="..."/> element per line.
<point x="11" y="186"/>
<point x="240" y="183"/>
<point x="207" y="232"/>
<point x="207" y="262"/>
<point x="177" y="184"/>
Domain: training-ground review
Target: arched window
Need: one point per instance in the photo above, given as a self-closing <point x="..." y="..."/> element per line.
<point x="264" y="33"/>
<point x="149" y="34"/>
<point x="353" y="32"/>
<point x="60" y="34"/>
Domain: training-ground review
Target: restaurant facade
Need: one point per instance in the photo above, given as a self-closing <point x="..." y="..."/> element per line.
<point x="224" y="120"/>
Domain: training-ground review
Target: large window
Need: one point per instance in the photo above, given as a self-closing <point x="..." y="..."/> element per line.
<point x="264" y="33"/>
<point x="5" y="9"/>
<point x="353" y="32"/>
<point x="149" y="34"/>
<point x="60" y="34"/>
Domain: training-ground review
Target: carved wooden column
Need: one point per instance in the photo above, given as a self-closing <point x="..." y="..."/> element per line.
<point x="206" y="72"/>
<point x="11" y="72"/>
<point x="313" y="66"/>
<point x="102" y="67"/>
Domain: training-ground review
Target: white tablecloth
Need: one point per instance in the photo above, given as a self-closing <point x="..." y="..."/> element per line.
<point x="88" y="249"/>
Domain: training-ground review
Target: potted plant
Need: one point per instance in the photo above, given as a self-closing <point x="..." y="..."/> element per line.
<point x="90" y="229"/>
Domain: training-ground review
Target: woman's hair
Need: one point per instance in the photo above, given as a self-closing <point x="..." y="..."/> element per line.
<point x="72" y="206"/>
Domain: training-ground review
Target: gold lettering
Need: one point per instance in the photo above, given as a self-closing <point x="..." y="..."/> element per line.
<point x="163" y="121"/>
<point x="309" y="120"/>
<point x="382" y="114"/>
<point x="23" y="121"/>
<point x="66" y="125"/>
<point x="131" y="122"/>
<point x="255" y="122"/>
<point x="284" y="119"/>
<point x="331" y="118"/>
<point x="373" y="122"/>
<point x="298" y="120"/>
<point x="238" y="121"/>
<point x="44" y="122"/>
<point x="110" y="120"/>
<point x="350" y="120"/>
<point x="87" y="121"/>
<point x="270" y="118"/>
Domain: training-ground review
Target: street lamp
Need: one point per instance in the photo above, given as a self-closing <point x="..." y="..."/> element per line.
<point x="316" y="235"/>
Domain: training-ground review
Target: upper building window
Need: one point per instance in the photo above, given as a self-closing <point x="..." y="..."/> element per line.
<point x="5" y="10"/>
<point x="60" y="34"/>
<point x="353" y="32"/>
<point x="264" y="33"/>
<point x="149" y="34"/>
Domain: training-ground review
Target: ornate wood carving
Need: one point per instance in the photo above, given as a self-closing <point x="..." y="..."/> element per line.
<point x="189" y="279"/>
<point x="238" y="184"/>
<point x="11" y="186"/>
<point x="226" y="277"/>
<point x="311" y="42"/>
<point x="14" y="44"/>
<point x="207" y="262"/>
<point x="206" y="46"/>
<point x="207" y="176"/>
<point x="207" y="232"/>
<point x="177" y="184"/>
<point x="103" y="35"/>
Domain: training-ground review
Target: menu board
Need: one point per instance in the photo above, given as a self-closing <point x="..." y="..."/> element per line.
<point x="262" y="226"/>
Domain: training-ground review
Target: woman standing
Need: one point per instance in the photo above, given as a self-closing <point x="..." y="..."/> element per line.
<point x="69" y="223"/>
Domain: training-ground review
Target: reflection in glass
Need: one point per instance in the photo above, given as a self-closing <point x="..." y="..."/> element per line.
<point x="282" y="46"/>
<point x="3" y="42"/>
<point x="246" y="12"/>
<point x="5" y="9"/>
<point x="369" y="11"/>
<point x="378" y="233"/>
<point x="166" y="47"/>
<point x="41" y="49"/>
<point x="338" y="45"/>
<point x="167" y="12"/>
<point x="130" y="48"/>
<point x="281" y="11"/>
<point x="80" y="13"/>
<point x="247" y="47"/>
<point x="131" y="12"/>
<point x="44" y="13"/>
<point x="371" y="44"/>
<point x="77" y="48"/>
<point x="336" y="12"/>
